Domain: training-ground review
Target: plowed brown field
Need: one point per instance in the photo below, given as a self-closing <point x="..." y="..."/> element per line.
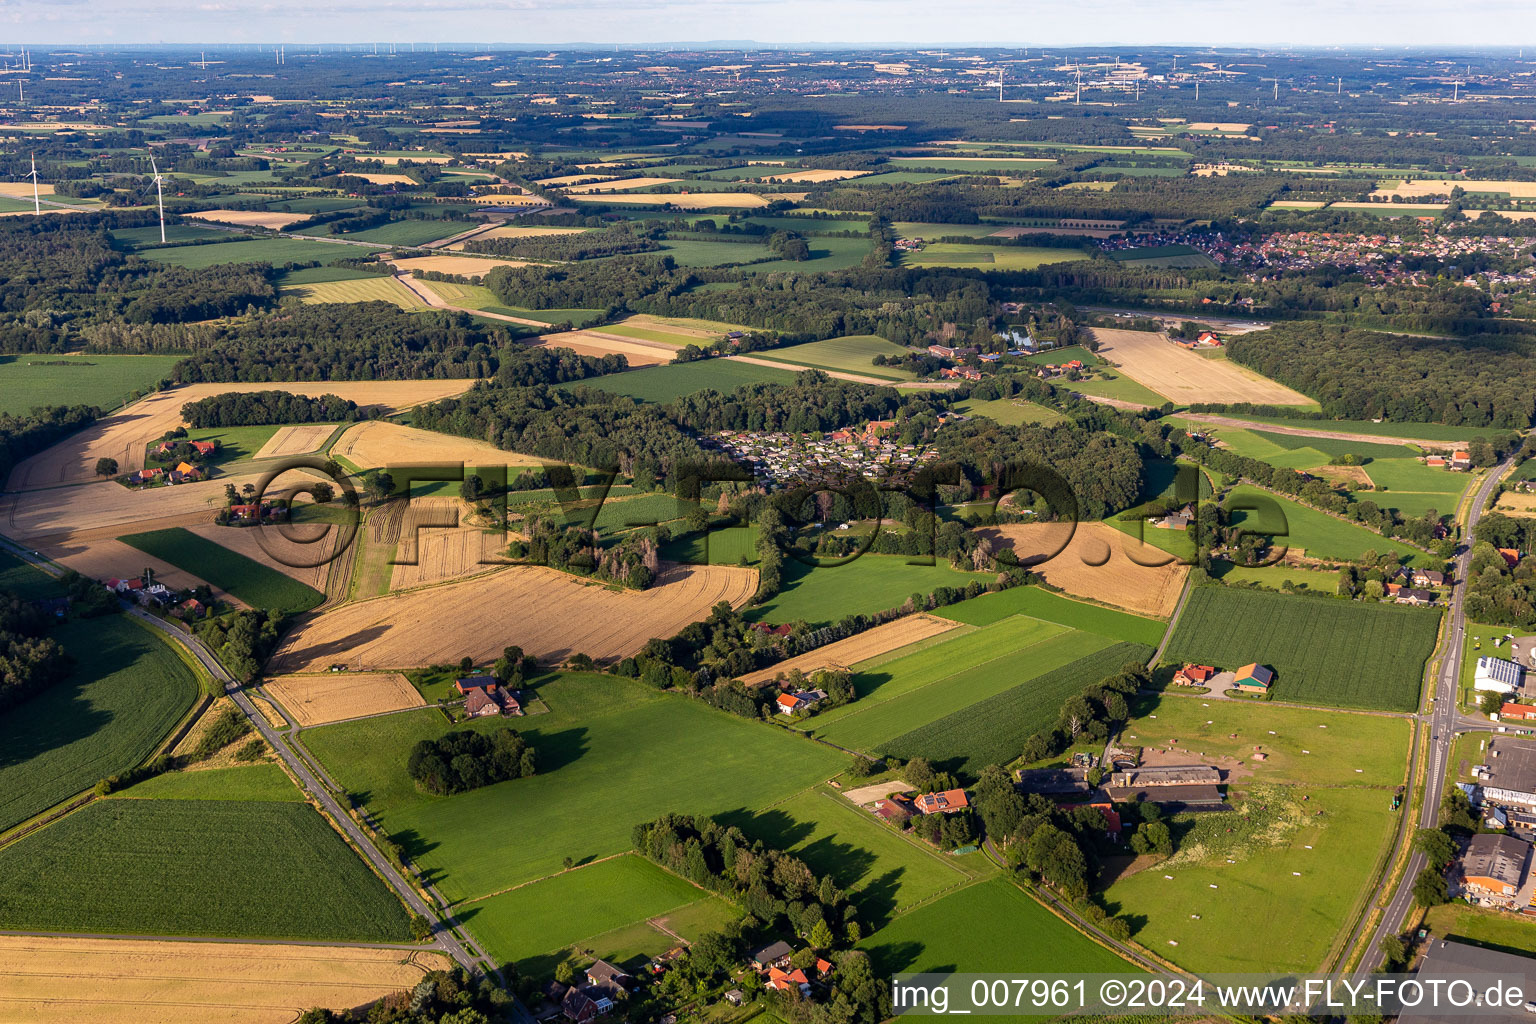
<point x="549" y="614"/>
<point x="1095" y="564"/>
<point x="121" y="981"/>
<point x="869" y="644"/>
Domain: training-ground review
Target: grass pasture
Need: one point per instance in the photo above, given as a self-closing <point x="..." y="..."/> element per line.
<point x="125" y="693"/>
<point x="993" y="731"/>
<point x="884" y="871"/>
<point x="1011" y="412"/>
<point x="553" y="913"/>
<point x="276" y="251"/>
<point x="266" y="782"/>
<point x="105" y="381"/>
<point x="853" y="354"/>
<point x="664" y="383"/>
<point x="618" y="750"/>
<point x="1318" y="534"/>
<point x="869" y="583"/>
<point x="229" y="868"/>
<point x="257" y="585"/>
<point x="1043" y="604"/>
<point x="133" y="238"/>
<point x="1334" y="653"/>
<point x="988" y="257"/>
<point x="989" y="926"/>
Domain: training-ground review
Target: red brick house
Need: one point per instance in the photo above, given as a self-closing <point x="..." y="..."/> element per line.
<point x="1194" y="675"/>
<point x="947" y="802"/>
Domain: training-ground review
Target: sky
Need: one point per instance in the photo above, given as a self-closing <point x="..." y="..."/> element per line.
<point x="905" y="22"/>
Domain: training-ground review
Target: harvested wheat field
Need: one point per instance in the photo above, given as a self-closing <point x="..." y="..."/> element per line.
<point x="508" y="199"/>
<point x="550" y="614"/>
<point x="1418" y="187"/>
<point x="251" y="218"/>
<point x="108" y="506"/>
<point x="299" y="440"/>
<point x="1516" y="504"/>
<point x="374" y="443"/>
<point x="813" y="175"/>
<point x="688" y="200"/>
<point x="1184" y="377"/>
<point x="1097" y="563"/>
<point x="268" y="545"/>
<point x="463" y="266"/>
<point x="135" y="981"/>
<point x="871" y="643"/>
<point x="23" y="189"/>
<point x="123" y="435"/>
<point x="437" y="543"/>
<point x="384" y="179"/>
<point x="593" y="343"/>
<point x="570" y="179"/>
<point x="338" y="696"/>
<point x="622" y="185"/>
<point x="512" y="231"/>
<point x="104" y="557"/>
<point x="1235" y="127"/>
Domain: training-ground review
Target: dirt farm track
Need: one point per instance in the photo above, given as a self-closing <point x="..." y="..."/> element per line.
<point x="550" y="614"/>
<point x="131" y="981"/>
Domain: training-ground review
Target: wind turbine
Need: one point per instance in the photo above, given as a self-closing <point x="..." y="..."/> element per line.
<point x="159" y="196"/>
<point x="37" y="203"/>
<point x="999" y="85"/>
<point x="1079" y="85"/>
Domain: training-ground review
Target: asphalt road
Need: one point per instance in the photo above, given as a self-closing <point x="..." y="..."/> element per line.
<point x="443" y="937"/>
<point x="1443" y="722"/>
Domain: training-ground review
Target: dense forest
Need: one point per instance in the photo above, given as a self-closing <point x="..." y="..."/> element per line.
<point x="464" y="759"/>
<point x="1358" y="374"/>
<point x="248" y="408"/>
<point x="30" y="660"/>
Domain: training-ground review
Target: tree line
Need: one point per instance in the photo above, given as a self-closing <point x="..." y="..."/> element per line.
<point x="251" y="408"/>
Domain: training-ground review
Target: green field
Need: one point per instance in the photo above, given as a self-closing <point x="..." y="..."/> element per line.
<point x="246" y="579"/>
<point x="236" y="444"/>
<point x="674" y="380"/>
<point x="988" y="257"/>
<point x="1010" y="412"/>
<point x="276" y="251"/>
<point x="990" y="926"/>
<point x="259" y="869"/>
<point x="132" y="238"/>
<point x="909" y="692"/>
<point x="1427" y="431"/>
<point x="1043" y="604"/>
<point x="884" y="872"/>
<point x="1274" y="577"/>
<point x="125" y="694"/>
<point x="1335" y="653"/>
<point x="1304" y="883"/>
<point x="400" y="232"/>
<point x="1493" y="929"/>
<point x="320" y="275"/>
<point x="727" y="545"/>
<point x="103" y="381"/>
<point x="1114" y="384"/>
<point x="1164" y="255"/>
<point x="973" y="165"/>
<point x="870" y="583"/>
<point x="853" y="354"/>
<point x="616" y="751"/>
<point x="993" y="731"/>
<point x="370" y="288"/>
<point x="260" y="782"/>
<point x="574" y="906"/>
<point x="689" y="252"/>
<point x="476" y="296"/>
<point x="1318" y="534"/>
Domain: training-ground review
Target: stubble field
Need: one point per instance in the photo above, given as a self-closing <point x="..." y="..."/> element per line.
<point x="1098" y="563"/>
<point x="550" y="614"/>
<point x="124" y="435"/>
<point x="128" y="981"/>
<point x="338" y="696"/>
<point x="1184" y="377"/>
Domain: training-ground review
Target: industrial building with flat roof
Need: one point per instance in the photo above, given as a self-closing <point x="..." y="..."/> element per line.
<point x="1508" y="773"/>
